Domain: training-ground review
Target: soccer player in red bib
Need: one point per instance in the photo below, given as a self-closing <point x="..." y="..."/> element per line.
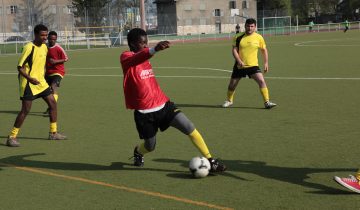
<point x="55" y="69"/>
<point x="152" y="108"/>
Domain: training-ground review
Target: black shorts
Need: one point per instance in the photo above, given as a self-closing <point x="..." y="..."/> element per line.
<point x="54" y="79"/>
<point x="239" y="73"/>
<point x="28" y="95"/>
<point x="148" y="124"/>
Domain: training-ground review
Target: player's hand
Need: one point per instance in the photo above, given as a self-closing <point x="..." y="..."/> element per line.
<point x="162" y="45"/>
<point x="266" y="67"/>
<point x="240" y="64"/>
<point x="52" y="61"/>
<point x="33" y="81"/>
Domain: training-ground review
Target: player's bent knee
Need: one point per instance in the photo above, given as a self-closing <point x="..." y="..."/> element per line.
<point x="150" y="144"/>
<point x="182" y="123"/>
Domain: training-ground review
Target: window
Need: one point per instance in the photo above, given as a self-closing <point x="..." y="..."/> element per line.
<point x="232" y="4"/>
<point x="202" y="21"/>
<point x="217" y="12"/>
<point x="1" y="11"/>
<point x="52" y="9"/>
<point x="245" y="4"/>
<point x="188" y="22"/>
<point x="67" y="9"/>
<point x="13" y="9"/>
<point x="187" y="7"/>
<point x="202" y="7"/>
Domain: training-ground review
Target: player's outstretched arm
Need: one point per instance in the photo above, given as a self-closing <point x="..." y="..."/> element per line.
<point x="162" y="45"/>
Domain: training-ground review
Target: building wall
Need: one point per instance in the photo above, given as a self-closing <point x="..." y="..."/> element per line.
<point x="21" y="15"/>
<point x="212" y="16"/>
<point x="8" y="10"/>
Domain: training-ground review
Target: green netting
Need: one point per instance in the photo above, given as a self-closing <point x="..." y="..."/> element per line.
<point x="275" y="25"/>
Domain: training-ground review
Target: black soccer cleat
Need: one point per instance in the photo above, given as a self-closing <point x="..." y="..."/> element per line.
<point x="216" y="166"/>
<point x="138" y="158"/>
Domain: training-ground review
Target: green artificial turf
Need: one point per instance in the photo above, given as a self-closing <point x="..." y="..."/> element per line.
<point x="284" y="158"/>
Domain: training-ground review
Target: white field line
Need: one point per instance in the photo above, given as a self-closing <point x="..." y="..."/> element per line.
<point x="309" y="43"/>
<point x="187" y="76"/>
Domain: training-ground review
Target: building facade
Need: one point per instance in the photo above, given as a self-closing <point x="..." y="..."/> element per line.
<point x="20" y="16"/>
<point x="187" y="17"/>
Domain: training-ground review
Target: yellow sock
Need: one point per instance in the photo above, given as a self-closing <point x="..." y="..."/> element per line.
<point x="358" y="176"/>
<point x="230" y="95"/>
<point x="141" y="149"/>
<point x="53" y="127"/>
<point x="199" y="143"/>
<point x="56" y="96"/>
<point x="265" y="94"/>
<point x="14" y="132"/>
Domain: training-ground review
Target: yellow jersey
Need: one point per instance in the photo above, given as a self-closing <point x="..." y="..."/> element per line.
<point x="33" y="59"/>
<point x="248" y="46"/>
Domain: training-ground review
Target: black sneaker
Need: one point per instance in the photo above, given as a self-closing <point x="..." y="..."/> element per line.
<point x="138" y="158"/>
<point x="216" y="166"/>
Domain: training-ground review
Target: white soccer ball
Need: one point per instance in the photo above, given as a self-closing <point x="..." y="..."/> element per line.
<point x="199" y="167"/>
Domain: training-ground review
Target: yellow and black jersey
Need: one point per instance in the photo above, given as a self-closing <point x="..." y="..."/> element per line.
<point x="33" y="59"/>
<point x="248" y="46"/>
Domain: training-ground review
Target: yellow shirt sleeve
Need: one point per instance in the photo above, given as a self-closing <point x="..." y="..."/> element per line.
<point x="234" y="41"/>
<point x="25" y="54"/>
<point x="262" y="44"/>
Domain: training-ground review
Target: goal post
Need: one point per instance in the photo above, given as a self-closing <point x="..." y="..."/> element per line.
<point x="276" y="25"/>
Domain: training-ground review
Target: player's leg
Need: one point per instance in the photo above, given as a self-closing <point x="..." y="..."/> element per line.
<point x="140" y="150"/>
<point x="54" y="88"/>
<point x="25" y="109"/>
<point x="230" y="92"/>
<point x="53" y="133"/>
<point x="55" y="84"/>
<point x="49" y="82"/>
<point x="145" y="125"/>
<point x="259" y="78"/>
<point x="236" y="75"/>
<point x="183" y="124"/>
<point x="231" y="88"/>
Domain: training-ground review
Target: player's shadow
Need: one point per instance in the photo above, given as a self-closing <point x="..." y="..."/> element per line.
<point x="9" y="112"/>
<point x="22" y="137"/>
<point x="214" y="106"/>
<point x="293" y="175"/>
<point x="22" y="161"/>
<point x="33" y="113"/>
<point x="297" y="176"/>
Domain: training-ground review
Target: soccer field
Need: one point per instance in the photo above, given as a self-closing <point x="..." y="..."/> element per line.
<point x="283" y="158"/>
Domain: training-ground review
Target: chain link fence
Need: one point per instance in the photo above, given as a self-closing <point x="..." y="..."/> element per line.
<point x="95" y="27"/>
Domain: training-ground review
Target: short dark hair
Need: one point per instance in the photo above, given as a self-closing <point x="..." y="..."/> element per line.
<point x="250" y="21"/>
<point x="134" y="35"/>
<point x="40" y="27"/>
<point x="52" y="33"/>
